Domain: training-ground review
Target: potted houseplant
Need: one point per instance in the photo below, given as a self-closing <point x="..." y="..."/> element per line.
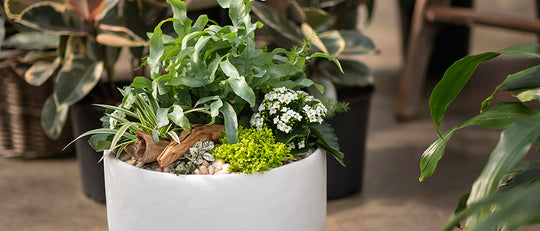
<point x="505" y="194"/>
<point x="331" y="27"/>
<point x="215" y="103"/>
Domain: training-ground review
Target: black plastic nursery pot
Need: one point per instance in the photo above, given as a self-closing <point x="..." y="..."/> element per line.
<point x="84" y="118"/>
<point x="351" y="129"/>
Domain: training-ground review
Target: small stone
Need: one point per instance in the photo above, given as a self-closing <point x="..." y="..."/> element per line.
<point x="197" y="172"/>
<point x="217" y="164"/>
<point x="205" y="163"/>
<point x="167" y="170"/>
<point x="225" y="167"/>
<point x="211" y="170"/>
<point x="131" y="161"/>
<point x="139" y="164"/>
<point x="203" y="169"/>
<point x="222" y="172"/>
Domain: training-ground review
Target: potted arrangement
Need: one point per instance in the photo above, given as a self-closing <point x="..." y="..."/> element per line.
<point x="331" y="27"/>
<point x="216" y="104"/>
<point x="505" y="194"/>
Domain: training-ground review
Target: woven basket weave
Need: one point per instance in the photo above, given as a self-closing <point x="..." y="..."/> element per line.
<point x="20" y="127"/>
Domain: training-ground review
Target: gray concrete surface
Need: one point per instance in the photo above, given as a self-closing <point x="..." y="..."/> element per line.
<point x="43" y="195"/>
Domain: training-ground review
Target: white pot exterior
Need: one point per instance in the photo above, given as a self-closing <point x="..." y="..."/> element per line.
<point x="291" y="197"/>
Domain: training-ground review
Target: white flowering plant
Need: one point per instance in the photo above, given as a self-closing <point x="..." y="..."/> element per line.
<point x="289" y="113"/>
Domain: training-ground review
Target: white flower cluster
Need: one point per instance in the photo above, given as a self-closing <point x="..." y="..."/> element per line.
<point x="284" y="109"/>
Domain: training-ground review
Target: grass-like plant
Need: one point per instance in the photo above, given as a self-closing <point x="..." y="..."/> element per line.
<point x="506" y="195"/>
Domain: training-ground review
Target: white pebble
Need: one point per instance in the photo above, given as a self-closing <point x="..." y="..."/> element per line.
<point x="139" y="164"/>
<point x="211" y="170"/>
<point x="197" y="172"/>
<point x="203" y="169"/>
<point x="205" y="163"/>
<point x="225" y="167"/>
<point x="131" y="161"/>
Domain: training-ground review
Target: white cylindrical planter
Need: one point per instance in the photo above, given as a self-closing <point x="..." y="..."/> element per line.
<point x="291" y="197"/>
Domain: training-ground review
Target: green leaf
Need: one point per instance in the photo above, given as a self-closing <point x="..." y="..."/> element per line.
<point x="76" y="79"/>
<point x="156" y="51"/>
<point x="301" y="131"/>
<point x="231" y="122"/>
<point x="356" y="43"/>
<point x="141" y="82"/>
<point x="118" y="36"/>
<point x="333" y="41"/>
<point x="333" y="59"/>
<point x="59" y="19"/>
<point x="178" y="117"/>
<point x="453" y="81"/>
<point x="100" y="142"/>
<point x="53" y="118"/>
<point x="327" y="140"/>
<point x="523" y="51"/>
<point x="182" y="26"/>
<point x="514" y="209"/>
<point x="313" y="38"/>
<point x="284" y="32"/>
<point x="161" y="117"/>
<point x="317" y="17"/>
<point x="14" y="8"/>
<point x="355" y="73"/>
<point x="32" y="40"/>
<point x="118" y="135"/>
<point x="514" y="143"/>
<point x="238" y="83"/>
<point x="522" y="80"/>
<point x="529" y="95"/>
<point x="40" y="72"/>
<point x="499" y="116"/>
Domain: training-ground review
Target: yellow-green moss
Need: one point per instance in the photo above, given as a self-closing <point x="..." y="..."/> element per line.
<point x="255" y="151"/>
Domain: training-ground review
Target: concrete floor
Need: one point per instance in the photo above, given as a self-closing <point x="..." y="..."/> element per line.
<point x="46" y="194"/>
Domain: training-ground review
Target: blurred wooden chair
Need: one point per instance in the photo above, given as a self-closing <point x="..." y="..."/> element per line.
<point x="427" y="14"/>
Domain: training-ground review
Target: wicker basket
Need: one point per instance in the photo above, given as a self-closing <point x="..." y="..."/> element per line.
<point x="20" y="125"/>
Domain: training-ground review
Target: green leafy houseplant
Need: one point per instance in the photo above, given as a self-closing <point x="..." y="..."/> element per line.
<point x="505" y="195"/>
<point x="210" y="75"/>
<point x="87" y="36"/>
<point x="331" y="28"/>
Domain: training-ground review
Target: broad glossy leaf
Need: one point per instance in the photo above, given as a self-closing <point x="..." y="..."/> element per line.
<point x="108" y="6"/>
<point x="529" y="95"/>
<point x="119" y="36"/>
<point x="141" y="82"/>
<point x="333" y="41"/>
<point x="522" y="80"/>
<point x="313" y="38"/>
<point x="156" y="51"/>
<point x="238" y="83"/>
<point x="514" y="209"/>
<point x="38" y="73"/>
<point x="328" y="3"/>
<point x="356" y="43"/>
<point x="514" y="143"/>
<point x="231" y="122"/>
<point x="499" y="116"/>
<point x="355" y="73"/>
<point x="280" y="30"/>
<point x="76" y="79"/>
<point x="317" y="17"/>
<point x="32" y="40"/>
<point x="53" y="118"/>
<point x="52" y="17"/>
<point x="14" y="8"/>
<point x="182" y="26"/>
<point x="457" y="75"/>
<point x="2" y="31"/>
<point x="162" y="117"/>
<point x="201" y="4"/>
<point x="178" y="117"/>
<point x="453" y="81"/>
<point x="327" y="140"/>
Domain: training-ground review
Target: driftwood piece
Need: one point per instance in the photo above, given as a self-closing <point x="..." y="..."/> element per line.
<point x="175" y="150"/>
<point x="145" y="149"/>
